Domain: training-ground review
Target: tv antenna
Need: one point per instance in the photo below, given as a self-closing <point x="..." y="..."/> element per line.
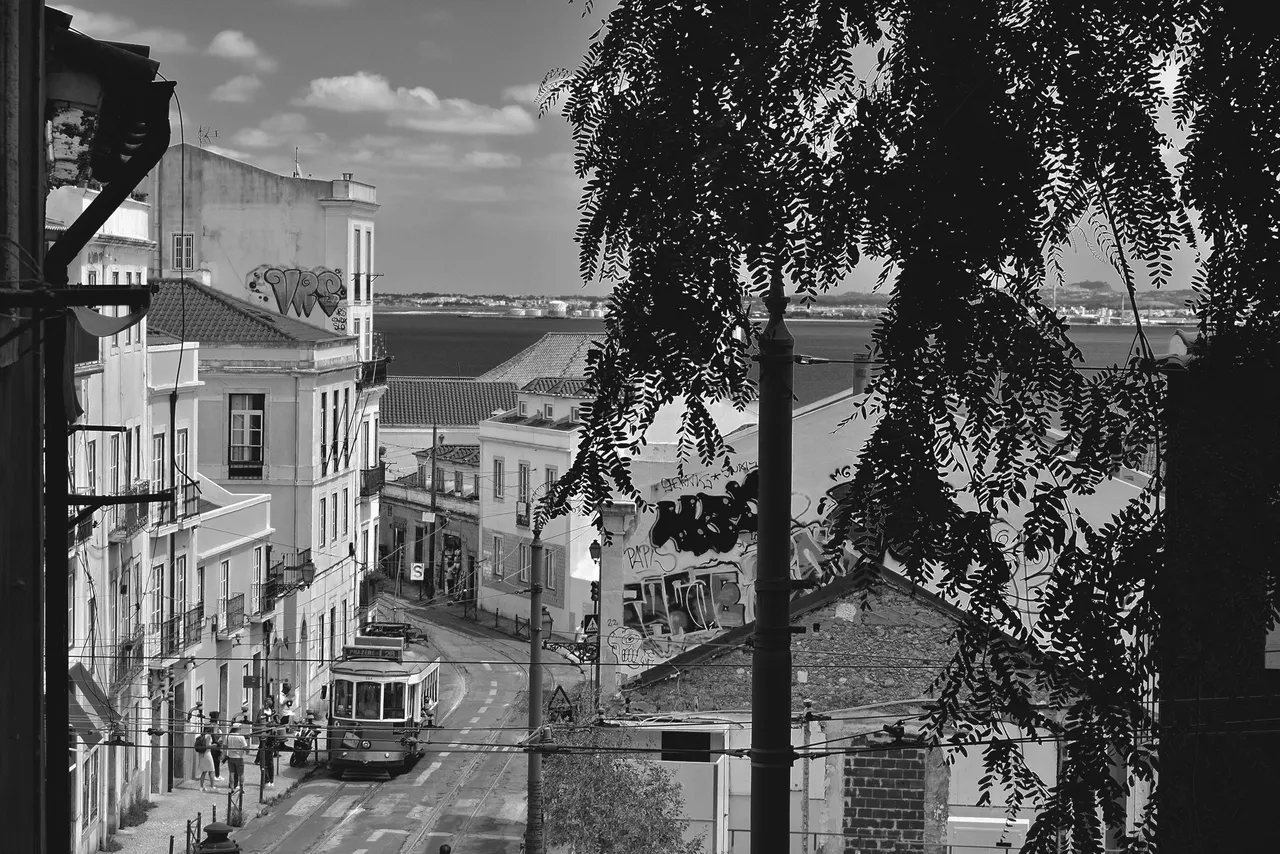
<point x="207" y="134"/>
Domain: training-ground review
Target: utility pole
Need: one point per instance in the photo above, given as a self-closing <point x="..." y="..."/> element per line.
<point x="771" y="752"/>
<point x="533" y="822"/>
<point x="23" y="751"/>
<point x="431" y="535"/>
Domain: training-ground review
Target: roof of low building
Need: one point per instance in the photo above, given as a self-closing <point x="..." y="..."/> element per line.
<point x="556" y="354"/>
<point x="192" y="311"/>
<point x="447" y="453"/>
<point x="443" y="401"/>
<point x="556" y="386"/>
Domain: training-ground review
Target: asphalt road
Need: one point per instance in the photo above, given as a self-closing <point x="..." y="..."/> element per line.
<point x="467" y="791"/>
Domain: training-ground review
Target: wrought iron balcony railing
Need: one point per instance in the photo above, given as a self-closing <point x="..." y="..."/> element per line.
<point x="192" y="626"/>
<point x="372" y="480"/>
<point x="170" y="636"/>
<point x="128" y="519"/>
<point x="79" y="533"/>
<point x="232" y="617"/>
<point x="129" y="657"/>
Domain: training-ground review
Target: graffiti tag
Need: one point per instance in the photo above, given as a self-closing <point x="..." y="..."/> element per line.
<point x="299" y="291"/>
<point x="701" y="523"/>
<point x="629" y="648"/>
<point x="701" y="480"/>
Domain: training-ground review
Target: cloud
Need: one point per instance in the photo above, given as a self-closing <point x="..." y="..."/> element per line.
<point x="491" y="160"/>
<point x="433" y="51"/>
<point x="476" y="194"/>
<point x="237" y="90"/>
<point x="525" y="93"/>
<point x="324" y="4"/>
<point x="104" y="25"/>
<point x="283" y="129"/>
<point x="560" y="161"/>
<point x="418" y="108"/>
<point x="227" y="152"/>
<point x="409" y="153"/>
<point x="235" y="45"/>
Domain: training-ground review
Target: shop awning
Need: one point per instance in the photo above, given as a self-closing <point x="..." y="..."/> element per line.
<point x="91" y="698"/>
<point x="83" y="724"/>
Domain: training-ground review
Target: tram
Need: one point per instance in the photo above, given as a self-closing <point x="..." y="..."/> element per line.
<point x="379" y="695"/>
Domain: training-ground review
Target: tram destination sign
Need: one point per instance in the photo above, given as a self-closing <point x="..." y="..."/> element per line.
<point x="372" y="653"/>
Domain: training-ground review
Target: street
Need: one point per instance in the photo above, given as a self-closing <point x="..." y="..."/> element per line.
<point x="467" y="791"/>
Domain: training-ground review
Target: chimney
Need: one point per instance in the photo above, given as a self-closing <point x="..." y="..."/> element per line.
<point x="864" y="372"/>
<point x="346" y="176"/>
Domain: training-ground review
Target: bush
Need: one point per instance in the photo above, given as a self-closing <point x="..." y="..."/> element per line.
<point x="111" y="845"/>
<point x="136" y="814"/>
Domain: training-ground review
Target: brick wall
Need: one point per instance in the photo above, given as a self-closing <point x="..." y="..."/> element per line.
<point x="884" y="801"/>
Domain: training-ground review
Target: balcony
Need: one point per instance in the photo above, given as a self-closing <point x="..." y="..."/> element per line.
<point x="232" y="617"/>
<point x="87" y="350"/>
<point x="79" y="533"/>
<point x="374" y="371"/>
<point x="129" y="658"/>
<point x="187" y="504"/>
<point x="170" y="635"/>
<point x="193" y="626"/>
<point x="128" y="519"/>
<point x="293" y="570"/>
<point x="256" y="601"/>
<point x="372" y="480"/>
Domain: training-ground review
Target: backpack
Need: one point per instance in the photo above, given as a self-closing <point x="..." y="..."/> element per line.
<point x="202" y="742"/>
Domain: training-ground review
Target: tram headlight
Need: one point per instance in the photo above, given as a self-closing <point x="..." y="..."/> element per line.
<point x="366" y="744"/>
<point x="386" y="756"/>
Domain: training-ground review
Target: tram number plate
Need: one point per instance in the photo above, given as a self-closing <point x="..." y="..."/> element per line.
<point x="350" y="740"/>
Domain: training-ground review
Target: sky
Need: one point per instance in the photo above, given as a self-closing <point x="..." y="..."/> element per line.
<point x="431" y="101"/>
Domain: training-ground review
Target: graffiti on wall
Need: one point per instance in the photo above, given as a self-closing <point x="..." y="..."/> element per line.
<point x="301" y="291"/>
<point x="691" y="561"/>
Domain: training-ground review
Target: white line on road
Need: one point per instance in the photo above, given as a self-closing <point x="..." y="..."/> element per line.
<point x="418" y="812"/>
<point x="377" y="834"/>
<point x="494" y="683"/>
<point x="387" y="805"/>
<point x="446" y="753"/>
<point x="488" y="666"/>
<point x="483" y="709"/>
<point x="422" y="778"/>
<point x="305" y="804"/>
<point x="474" y="720"/>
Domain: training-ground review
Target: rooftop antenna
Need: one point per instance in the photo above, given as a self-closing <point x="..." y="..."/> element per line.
<point x="297" y="170"/>
<point x="206" y="133"/>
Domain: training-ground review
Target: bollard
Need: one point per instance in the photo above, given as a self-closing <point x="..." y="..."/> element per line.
<point x="218" y="841"/>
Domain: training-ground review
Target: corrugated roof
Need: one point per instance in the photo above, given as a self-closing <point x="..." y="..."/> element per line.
<point x="447" y="402"/>
<point x="556" y="354"/>
<point x="557" y="386"/>
<point x="211" y="316"/>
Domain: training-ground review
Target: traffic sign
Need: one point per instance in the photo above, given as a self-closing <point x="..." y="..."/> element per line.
<point x="415" y="572"/>
<point x="591" y="624"/>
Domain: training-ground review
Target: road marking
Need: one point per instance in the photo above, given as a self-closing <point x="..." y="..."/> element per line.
<point x="488" y="666"/>
<point x="465" y="730"/>
<point x="474" y="720"/>
<point x="422" y="778"/>
<point x="377" y="834"/>
<point x="489" y="836"/>
<point x="361" y="851"/>
<point x="388" y="804"/>
<point x="483" y="709"/>
<point x="465" y="803"/>
<point x="494" y="683"/>
<point x="446" y="753"/>
<point x="513" y="810"/>
<point x="339" y="807"/>
<point x="493" y="692"/>
<point x="305" y="804"/>
<point x="418" y="812"/>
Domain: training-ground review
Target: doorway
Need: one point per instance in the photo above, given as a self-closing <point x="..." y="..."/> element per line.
<point x="177" y="731"/>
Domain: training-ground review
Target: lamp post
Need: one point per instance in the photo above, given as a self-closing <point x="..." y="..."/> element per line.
<point x="595" y="551"/>
<point x="533" y="821"/>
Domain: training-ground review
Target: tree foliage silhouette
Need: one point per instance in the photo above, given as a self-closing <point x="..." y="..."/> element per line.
<point x="728" y="145"/>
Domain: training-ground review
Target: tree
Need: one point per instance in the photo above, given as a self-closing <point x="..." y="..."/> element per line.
<point x="729" y="149"/>
<point x="600" y="800"/>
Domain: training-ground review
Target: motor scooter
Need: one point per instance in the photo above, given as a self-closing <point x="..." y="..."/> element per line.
<point x="302" y="744"/>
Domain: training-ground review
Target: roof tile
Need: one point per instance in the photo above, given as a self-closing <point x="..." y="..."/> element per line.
<point x="556" y="354"/>
<point x="446" y="402"/>
<point x="196" y="312"/>
<point x="556" y="386"/>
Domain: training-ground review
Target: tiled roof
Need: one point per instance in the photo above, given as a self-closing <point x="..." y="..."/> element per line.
<point x="211" y="316"/>
<point x="467" y="455"/>
<point x="556" y="354"/>
<point x="447" y="402"/>
<point x="557" y="386"/>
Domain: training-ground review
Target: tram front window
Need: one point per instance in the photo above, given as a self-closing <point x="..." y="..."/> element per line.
<point x="342" y="698"/>
<point x="368" y="701"/>
<point x="393" y="702"/>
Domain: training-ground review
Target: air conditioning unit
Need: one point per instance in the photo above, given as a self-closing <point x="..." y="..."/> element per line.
<point x="986" y="834"/>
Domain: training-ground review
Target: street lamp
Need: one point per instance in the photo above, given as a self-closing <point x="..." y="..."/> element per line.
<point x="595" y="551"/>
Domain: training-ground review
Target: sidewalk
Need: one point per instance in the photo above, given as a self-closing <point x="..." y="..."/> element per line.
<point x="174" y="809"/>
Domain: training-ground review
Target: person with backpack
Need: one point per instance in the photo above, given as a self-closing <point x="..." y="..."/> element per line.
<point x="204" y="759"/>
<point x="236" y="747"/>
<point x="215" y="749"/>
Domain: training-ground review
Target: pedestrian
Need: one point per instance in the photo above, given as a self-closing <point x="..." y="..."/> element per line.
<point x="236" y="747"/>
<point x="204" y="760"/>
<point x="266" y="751"/>
<point x="215" y="749"/>
<point x="244" y="718"/>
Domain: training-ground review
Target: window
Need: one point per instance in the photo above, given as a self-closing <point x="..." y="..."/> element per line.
<point x="685" y="746"/>
<point x="247" y="434"/>
<point x="355" y="266"/>
<point x="368" y="264"/>
<point x="549" y="567"/>
<point x="345" y="625"/>
<point x="343" y="695"/>
<point x="324" y="433"/>
<point x="199" y="585"/>
<point x="368" y="701"/>
<point x="393" y="701"/>
<point x="419" y="535"/>
<point x="93" y="277"/>
<point x="182" y="251"/>
<point x="346" y="424"/>
<point x="114" y="465"/>
<point x="552" y="475"/>
<point x="180" y="584"/>
<point x="71" y="606"/>
<point x="549" y="412"/>
<point x="333" y="504"/>
<point x="525" y="558"/>
<point x="355" y="326"/>
<point x="91" y="464"/>
<point x="319" y="656"/>
<point x="522" y="493"/>
<point x="575" y="414"/>
<point x="257" y="579"/>
<point x="475" y="485"/>
<point x="224" y="593"/>
<point x="89" y="788"/>
<point x="128" y="458"/>
<point x="346" y="512"/>
<point x="497" y="477"/>
<point x="180" y="453"/>
<point x="365" y="462"/>
<point x="524" y="408"/>
<point x="123" y="612"/>
<point x="157" y="461"/>
<point x="157" y="599"/>
<point x="323" y="517"/>
<point x="439" y="479"/>
<point x="333" y="450"/>
<point x="333" y="624"/>
<point x="499" y="559"/>
<point x="457" y="482"/>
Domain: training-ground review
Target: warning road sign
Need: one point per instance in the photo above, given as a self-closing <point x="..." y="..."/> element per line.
<point x="591" y="624"/>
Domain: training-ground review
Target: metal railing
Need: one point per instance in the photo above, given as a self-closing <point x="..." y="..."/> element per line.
<point x="187" y="500"/>
<point x="170" y="636"/>
<point x="129" y="657"/>
<point x="192" y="626"/>
<point x="128" y="519"/>
<point x="372" y="480"/>
<point x="79" y="533"/>
<point x="374" y="371"/>
<point x="233" y="614"/>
